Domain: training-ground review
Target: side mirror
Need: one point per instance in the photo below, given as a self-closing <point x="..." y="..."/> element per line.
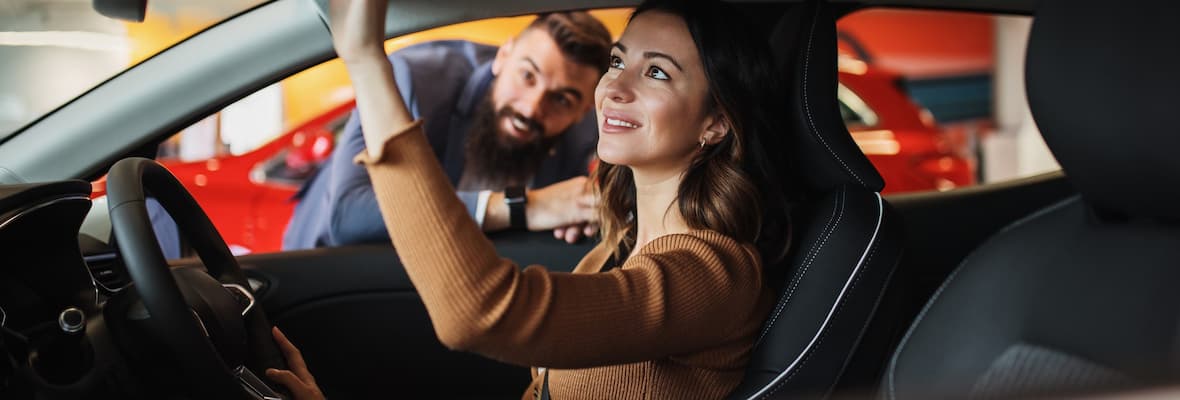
<point x="126" y="10"/>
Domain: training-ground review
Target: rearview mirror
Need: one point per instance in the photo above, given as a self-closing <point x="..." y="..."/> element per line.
<point x="126" y="10"/>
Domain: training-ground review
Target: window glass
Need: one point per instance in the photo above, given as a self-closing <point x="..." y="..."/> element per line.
<point x="55" y="50"/>
<point x="245" y="163"/>
<point x="926" y="95"/>
<point x="947" y="95"/>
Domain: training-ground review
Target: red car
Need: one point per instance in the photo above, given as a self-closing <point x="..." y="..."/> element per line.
<point x="249" y="197"/>
<point x="901" y="139"/>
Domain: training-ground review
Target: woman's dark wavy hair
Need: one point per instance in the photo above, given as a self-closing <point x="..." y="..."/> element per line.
<point x="733" y="187"/>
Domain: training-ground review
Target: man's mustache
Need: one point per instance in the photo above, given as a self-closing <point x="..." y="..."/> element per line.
<point x="533" y="126"/>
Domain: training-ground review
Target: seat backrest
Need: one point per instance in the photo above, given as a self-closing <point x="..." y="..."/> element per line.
<point x="846" y="238"/>
<point x="1081" y="296"/>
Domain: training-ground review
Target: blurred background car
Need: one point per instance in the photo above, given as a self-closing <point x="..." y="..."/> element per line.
<point x="901" y="138"/>
<point x="250" y="196"/>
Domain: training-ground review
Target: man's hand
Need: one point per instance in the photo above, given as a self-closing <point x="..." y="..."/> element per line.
<point x="298" y="379"/>
<point x="566" y="204"/>
<point x="573" y="233"/>
<point x="569" y="208"/>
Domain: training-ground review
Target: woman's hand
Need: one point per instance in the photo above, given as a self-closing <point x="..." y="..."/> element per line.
<point x="298" y="379"/>
<point x="358" y="33"/>
<point x="358" y="29"/>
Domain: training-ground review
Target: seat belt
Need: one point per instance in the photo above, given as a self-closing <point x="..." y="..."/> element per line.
<point x="545" y="387"/>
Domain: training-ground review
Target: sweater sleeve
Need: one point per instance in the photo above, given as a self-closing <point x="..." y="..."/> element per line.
<point x="681" y="293"/>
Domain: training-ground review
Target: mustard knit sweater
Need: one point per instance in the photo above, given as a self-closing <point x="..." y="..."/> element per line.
<point x="676" y="320"/>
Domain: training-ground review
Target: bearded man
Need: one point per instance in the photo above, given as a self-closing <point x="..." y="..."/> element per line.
<point x="502" y="121"/>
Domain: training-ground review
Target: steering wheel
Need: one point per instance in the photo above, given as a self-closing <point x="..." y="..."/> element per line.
<point x="209" y="322"/>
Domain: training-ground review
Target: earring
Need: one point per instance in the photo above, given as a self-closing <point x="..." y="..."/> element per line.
<point x="702" y="144"/>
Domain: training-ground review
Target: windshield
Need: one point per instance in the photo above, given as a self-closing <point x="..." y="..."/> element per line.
<point x="55" y="50"/>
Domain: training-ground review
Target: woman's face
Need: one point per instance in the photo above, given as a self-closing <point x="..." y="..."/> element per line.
<point x="651" y="102"/>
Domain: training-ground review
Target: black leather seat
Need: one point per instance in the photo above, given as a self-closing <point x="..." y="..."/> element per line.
<point x="1081" y="296"/>
<point x="846" y="238"/>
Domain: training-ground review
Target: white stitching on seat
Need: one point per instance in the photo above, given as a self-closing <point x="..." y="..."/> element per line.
<point x="839" y="304"/>
<point x="807" y="104"/>
<point x="930" y="303"/>
<point x="833" y="221"/>
<point x="847" y="284"/>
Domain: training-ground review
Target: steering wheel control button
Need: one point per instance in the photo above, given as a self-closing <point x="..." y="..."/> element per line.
<point x="72" y="320"/>
<point x="241" y="295"/>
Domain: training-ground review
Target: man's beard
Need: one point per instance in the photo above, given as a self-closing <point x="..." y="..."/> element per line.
<point x="495" y="160"/>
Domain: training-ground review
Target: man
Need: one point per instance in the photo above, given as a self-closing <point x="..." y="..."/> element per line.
<point x="499" y="120"/>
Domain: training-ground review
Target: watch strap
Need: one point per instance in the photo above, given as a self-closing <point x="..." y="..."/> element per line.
<point x="515" y="198"/>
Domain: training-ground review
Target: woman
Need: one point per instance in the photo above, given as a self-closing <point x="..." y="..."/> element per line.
<point x="671" y="304"/>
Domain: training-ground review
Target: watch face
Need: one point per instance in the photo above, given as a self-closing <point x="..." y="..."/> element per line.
<point x="515" y="194"/>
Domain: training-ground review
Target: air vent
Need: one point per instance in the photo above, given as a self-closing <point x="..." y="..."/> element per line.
<point x="108" y="272"/>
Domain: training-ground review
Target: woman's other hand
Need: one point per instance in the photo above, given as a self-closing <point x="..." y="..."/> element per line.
<point x="358" y="29"/>
<point x="298" y="379"/>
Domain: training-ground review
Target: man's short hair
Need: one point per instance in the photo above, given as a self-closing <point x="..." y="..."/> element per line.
<point x="580" y="36"/>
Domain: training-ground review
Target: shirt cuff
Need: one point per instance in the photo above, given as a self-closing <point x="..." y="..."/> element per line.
<point x="481" y="207"/>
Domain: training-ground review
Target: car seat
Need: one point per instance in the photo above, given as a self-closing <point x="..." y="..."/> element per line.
<point x="846" y="239"/>
<point x="1079" y="297"/>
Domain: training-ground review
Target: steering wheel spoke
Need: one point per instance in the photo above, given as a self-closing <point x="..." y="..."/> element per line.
<point x="241" y="295"/>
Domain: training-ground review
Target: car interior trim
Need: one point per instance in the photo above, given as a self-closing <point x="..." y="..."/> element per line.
<point x="96" y="258"/>
<point x="200" y="322"/>
<point x="835" y="304"/>
<point x="39" y="206"/>
<point x="245" y="293"/>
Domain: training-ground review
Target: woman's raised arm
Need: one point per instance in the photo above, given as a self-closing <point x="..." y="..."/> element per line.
<point x="358" y="33"/>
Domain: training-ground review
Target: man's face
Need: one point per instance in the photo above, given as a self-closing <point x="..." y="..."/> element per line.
<point x="538" y="92"/>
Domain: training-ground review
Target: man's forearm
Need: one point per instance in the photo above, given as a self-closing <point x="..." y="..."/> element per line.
<point x="496" y="217"/>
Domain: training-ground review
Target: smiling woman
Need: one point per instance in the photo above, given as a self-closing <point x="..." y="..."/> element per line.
<point x="671" y="303"/>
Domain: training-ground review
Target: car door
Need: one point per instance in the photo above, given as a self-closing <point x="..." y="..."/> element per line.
<point x="363" y="329"/>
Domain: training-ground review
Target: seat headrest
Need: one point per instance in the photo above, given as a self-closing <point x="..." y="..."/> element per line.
<point x="823" y="152"/>
<point x="1102" y="85"/>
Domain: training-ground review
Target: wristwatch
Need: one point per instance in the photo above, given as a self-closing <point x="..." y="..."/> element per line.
<point x="514" y="197"/>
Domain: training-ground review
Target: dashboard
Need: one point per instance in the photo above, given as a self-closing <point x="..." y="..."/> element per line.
<point x="51" y="304"/>
<point x="41" y="263"/>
